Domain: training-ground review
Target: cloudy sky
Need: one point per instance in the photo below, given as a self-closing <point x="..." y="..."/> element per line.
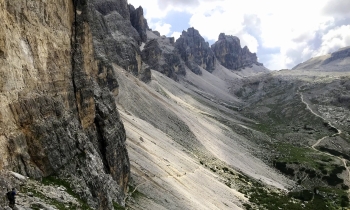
<point x="282" y="33"/>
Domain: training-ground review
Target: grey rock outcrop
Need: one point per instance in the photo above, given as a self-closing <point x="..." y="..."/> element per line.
<point x="160" y="54"/>
<point x="229" y="53"/>
<point x="115" y="39"/>
<point x="57" y="86"/>
<point x="139" y="22"/>
<point x="194" y="50"/>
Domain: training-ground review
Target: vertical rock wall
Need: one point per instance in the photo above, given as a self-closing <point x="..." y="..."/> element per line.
<point x="57" y="87"/>
<point x="195" y="51"/>
<point x="139" y="22"/>
<point x="229" y="53"/>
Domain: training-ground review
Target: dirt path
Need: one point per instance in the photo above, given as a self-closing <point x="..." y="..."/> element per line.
<point x="320" y="140"/>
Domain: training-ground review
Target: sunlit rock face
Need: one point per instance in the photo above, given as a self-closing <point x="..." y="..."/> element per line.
<point x="57" y="86"/>
<point x="229" y="53"/>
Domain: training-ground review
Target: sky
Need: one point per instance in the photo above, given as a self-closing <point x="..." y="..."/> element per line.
<point x="283" y="33"/>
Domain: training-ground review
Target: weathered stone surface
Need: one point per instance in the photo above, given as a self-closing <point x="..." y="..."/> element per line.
<point x="138" y="21"/>
<point x="57" y="88"/>
<point x="115" y="39"/>
<point x="160" y="54"/>
<point x="195" y="50"/>
<point x="229" y="53"/>
<point x="145" y="74"/>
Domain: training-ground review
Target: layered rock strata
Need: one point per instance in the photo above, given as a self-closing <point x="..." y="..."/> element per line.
<point x="57" y="113"/>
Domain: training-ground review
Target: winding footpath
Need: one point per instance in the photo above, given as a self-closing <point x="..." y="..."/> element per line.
<point x="320" y="140"/>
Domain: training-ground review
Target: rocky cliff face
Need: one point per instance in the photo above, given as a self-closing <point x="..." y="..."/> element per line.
<point x="229" y="53"/>
<point x="138" y="21"/>
<point x="159" y="53"/>
<point x="57" y="112"/>
<point x="115" y="39"/>
<point x="194" y="50"/>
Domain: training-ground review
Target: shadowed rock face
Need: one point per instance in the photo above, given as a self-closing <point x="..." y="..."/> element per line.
<point x="115" y="38"/>
<point x="195" y="50"/>
<point x="160" y="55"/>
<point x="57" y="86"/>
<point x="229" y="53"/>
<point x="138" y="21"/>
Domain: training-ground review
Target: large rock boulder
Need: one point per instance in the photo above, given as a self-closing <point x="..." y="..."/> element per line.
<point x="229" y="53"/>
<point x="195" y="50"/>
<point x="138" y="21"/>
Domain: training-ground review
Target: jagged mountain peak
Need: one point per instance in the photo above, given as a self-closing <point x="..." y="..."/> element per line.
<point x="195" y="51"/>
<point x="229" y="53"/>
<point x="138" y="21"/>
<point x="223" y="36"/>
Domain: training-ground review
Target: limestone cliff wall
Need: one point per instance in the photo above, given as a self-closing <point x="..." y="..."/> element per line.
<point x="229" y="53"/>
<point x="57" y="86"/>
<point x="195" y="51"/>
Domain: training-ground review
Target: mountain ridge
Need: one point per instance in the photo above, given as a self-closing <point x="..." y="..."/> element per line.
<point x="107" y="113"/>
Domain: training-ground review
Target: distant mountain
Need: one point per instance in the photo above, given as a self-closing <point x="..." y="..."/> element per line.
<point x="192" y="51"/>
<point x="336" y="61"/>
<point x="105" y="113"/>
<point x="230" y="54"/>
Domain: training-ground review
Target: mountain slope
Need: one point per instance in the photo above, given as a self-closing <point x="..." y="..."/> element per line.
<point x="337" y="61"/>
<point x="107" y="114"/>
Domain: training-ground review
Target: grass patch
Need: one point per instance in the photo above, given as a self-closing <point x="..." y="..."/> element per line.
<point x="52" y="180"/>
<point x="135" y="193"/>
<point x="116" y="206"/>
<point x="297" y="154"/>
<point x="52" y="202"/>
<point x="325" y="198"/>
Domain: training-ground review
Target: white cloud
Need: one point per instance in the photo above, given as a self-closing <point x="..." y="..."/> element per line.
<point x="335" y="39"/>
<point x="162" y="28"/>
<point x="249" y="41"/>
<point x="299" y="28"/>
<point x="176" y="35"/>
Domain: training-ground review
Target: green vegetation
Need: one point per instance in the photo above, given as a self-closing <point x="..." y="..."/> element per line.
<point x="162" y="92"/>
<point x="134" y="192"/>
<point x="117" y="206"/>
<point x="323" y="198"/>
<point x="302" y="155"/>
<point x="52" y="202"/>
<point x="285" y="119"/>
<point x="52" y="180"/>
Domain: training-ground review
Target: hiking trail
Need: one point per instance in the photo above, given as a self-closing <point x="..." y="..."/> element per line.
<point x="321" y="139"/>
